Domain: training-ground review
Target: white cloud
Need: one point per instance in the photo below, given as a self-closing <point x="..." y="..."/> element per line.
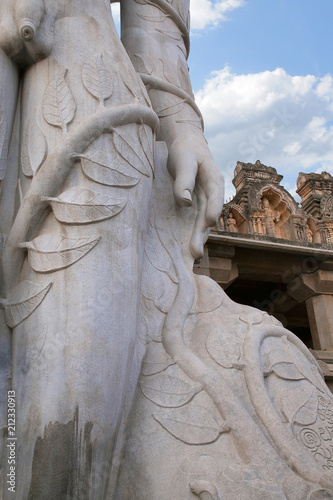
<point x="208" y="13"/>
<point x="284" y="121"/>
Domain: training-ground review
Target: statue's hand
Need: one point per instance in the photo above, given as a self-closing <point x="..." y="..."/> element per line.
<point x="192" y="166"/>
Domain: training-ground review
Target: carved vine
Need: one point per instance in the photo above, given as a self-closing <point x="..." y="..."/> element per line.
<point x="75" y="206"/>
<point x="179" y="398"/>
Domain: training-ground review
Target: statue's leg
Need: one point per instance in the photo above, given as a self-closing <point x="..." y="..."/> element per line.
<point x="8" y="198"/>
<point x="75" y="251"/>
<point x="73" y="355"/>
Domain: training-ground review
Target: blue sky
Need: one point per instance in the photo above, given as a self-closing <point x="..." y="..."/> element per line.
<point x="262" y="73"/>
<point x="262" y="35"/>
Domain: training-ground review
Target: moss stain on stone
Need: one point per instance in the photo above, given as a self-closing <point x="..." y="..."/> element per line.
<point x="62" y="461"/>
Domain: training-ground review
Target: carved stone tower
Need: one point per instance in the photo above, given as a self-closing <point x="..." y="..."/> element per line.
<point x="262" y="206"/>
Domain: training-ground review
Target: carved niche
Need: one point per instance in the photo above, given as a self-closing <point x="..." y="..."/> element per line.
<point x="262" y="207"/>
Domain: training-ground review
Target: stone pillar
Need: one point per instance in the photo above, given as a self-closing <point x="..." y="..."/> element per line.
<point x="320" y="314"/>
<point x="316" y="289"/>
<point x="202" y="267"/>
<point x="223" y="271"/>
<point x="222" y="266"/>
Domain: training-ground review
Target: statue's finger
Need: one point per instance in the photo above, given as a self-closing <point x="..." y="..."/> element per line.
<point x="212" y="182"/>
<point x="182" y="165"/>
<point x="200" y="230"/>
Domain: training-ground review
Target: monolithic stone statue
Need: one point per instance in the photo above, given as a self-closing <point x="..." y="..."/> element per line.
<point x="108" y="188"/>
<point x="83" y="133"/>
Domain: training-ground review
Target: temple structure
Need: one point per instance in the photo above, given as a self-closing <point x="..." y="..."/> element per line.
<point x="270" y="252"/>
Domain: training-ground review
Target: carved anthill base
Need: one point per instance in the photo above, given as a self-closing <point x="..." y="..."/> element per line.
<point x="229" y="403"/>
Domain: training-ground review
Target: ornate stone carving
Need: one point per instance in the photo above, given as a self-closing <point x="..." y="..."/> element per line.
<point x="263" y="207"/>
<point x="316" y="193"/>
<point x="309" y="234"/>
<point x="249" y="367"/>
<point x="232" y="224"/>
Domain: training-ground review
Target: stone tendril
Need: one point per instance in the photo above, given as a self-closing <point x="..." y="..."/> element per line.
<point x="53" y="173"/>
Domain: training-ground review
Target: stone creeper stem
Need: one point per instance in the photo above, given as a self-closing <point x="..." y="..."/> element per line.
<point x="53" y="173"/>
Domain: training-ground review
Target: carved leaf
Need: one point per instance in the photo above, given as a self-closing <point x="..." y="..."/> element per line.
<point x="3" y="146"/>
<point x="172" y="109"/>
<point x="34" y="149"/>
<point x="169" y="73"/>
<point x="174" y="35"/>
<point x="156" y="359"/>
<point x="36" y="346"/>
<point x="276" y="356"/>
<point x="25" y="156"/>
<point x="58" y="103"/>
<point x="195" y="123"/>
<point x="152" y="285"/>
<point x="37" y="146"/>
<point x="307" y="414"/>
<point x="209" y="295"/>
<point x="293" y="399"/>
<point x="49" y="253"/>
<point x="144" y="64"/>
<point x="308" y="370"/>
<point x="22" y="301"/>
<point x="157" y="254"/>
<point x="133" y="84"/>
<point x="130" y="151"/>
<point x="223" y="348"/>
<point x="145" y="335"/>
<point x="185" y="79"/>
<point x="96" y="166"/>
<point x="153" y="19"/>
<point x="158" y="287"/>
<point x="167" y="391"/>
<point x="149" y="327"/>
<point x="279" y="362"/>
<point x="252" y="317"/>
<point x="96" y="78"/>
<point x="83" y="206"/>
<point x="146" y="140"/>
<point x="129" y="81"/>
<point x="164" y="301"/>
<point x="287" y="371"/>
<point x="191" y="424"/>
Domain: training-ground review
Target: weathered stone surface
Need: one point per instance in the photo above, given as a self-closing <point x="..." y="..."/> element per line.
<point x="255" y="429"/>
<point x="98" y="281"/>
